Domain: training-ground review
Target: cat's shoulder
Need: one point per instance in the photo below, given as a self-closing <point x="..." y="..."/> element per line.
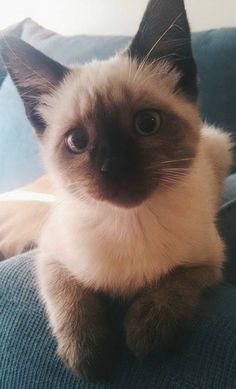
<point x="217" y="145"/>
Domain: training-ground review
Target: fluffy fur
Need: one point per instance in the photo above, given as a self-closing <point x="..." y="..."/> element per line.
<point x="23" y="212"/>
<point x="145" y="233"/>
<point x="132" y="247"/>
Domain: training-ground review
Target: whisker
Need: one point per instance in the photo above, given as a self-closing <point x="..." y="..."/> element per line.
<point x="177" y="160"/>
<point x="163" y="35"/>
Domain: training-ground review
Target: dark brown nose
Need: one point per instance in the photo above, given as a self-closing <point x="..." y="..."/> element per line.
<point x="114" y="165"/>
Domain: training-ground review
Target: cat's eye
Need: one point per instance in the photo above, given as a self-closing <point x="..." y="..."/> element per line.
<point x="147" y="122"/>
<point x="77" y="140"/>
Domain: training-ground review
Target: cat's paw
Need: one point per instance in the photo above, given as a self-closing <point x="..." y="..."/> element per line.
<point x="153" y="326"/>
<point x="91" y="359"/>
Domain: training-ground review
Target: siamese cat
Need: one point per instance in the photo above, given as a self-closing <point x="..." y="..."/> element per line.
<point x="137" y="178"/>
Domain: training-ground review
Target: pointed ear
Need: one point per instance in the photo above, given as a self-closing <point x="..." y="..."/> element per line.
<point x="164" y="34"/>
<point x="33" y="73"/>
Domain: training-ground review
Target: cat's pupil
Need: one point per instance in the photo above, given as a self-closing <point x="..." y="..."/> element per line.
<point x="147" y="122"/>
<point x="77" y="140"/>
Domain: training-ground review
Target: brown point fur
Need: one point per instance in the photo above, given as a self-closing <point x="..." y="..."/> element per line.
<point x="84" y="330"/>
<point x="159" y="315"/>
<point x="156" y="317"/>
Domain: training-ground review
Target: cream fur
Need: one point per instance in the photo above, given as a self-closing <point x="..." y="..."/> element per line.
<point x="22" y="215"/>
<point x="120" y="250"/>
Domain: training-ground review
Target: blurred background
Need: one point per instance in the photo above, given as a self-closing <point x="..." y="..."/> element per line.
<point x="117" y="17"/>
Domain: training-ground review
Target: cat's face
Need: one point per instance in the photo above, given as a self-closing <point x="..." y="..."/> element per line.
<point x="120" y="129"/>
<point x="115" y="130"/>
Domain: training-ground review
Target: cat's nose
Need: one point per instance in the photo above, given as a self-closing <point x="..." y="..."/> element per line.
<point x="114" y="165"/>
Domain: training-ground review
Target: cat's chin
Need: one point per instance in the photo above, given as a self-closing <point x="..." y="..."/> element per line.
<point x="125" y="204"/>
<point x="122" y="199"/>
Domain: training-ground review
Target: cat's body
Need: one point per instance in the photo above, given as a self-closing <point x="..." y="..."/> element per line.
<point x="137" y="179"/>
<point x="120" y="250"/>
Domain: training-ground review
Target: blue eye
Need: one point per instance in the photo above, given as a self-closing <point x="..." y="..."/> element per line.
<point x="77" y="140"/>
<point x="147" y="122"/>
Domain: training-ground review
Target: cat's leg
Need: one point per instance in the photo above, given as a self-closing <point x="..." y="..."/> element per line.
<point x="160" y="314"/>
<point x="80" y="320"/>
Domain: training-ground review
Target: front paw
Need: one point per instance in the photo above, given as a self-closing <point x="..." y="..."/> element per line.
<point x="153" y="325"/>
<point x="91" y="357"/>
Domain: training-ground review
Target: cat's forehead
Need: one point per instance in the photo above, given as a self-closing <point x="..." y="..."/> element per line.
<point x="117" y="73"/>
<point x="120" y="83"/>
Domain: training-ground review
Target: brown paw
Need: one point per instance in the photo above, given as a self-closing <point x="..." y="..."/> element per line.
<point x="152" y="325"/>
<point x="81" y="321"/>
<point x="91" y="362"/>
<point x="92" y="358"/>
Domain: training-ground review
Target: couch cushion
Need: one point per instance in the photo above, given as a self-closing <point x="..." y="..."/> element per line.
<point x="227" y="226"/>
<point x="215" y="52"/>
<point x="28" y="359"/>
<point x="20" y="161"/>
<point x="71" y="50"/>
<point x="15" y="30"/>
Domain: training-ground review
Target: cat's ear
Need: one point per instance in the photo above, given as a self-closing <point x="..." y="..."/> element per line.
<point x="33" y="73"/>
<point x="164" y="34"/>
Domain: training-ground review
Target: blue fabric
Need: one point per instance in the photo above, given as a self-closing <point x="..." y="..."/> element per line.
<point x="215" y="53"/>
<point x="19" y="153"/>
<point x="227" y="225"/>
<point x="207" y="360"/>
<point x="14" y="30"/>
<point x="72" y="49"/>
